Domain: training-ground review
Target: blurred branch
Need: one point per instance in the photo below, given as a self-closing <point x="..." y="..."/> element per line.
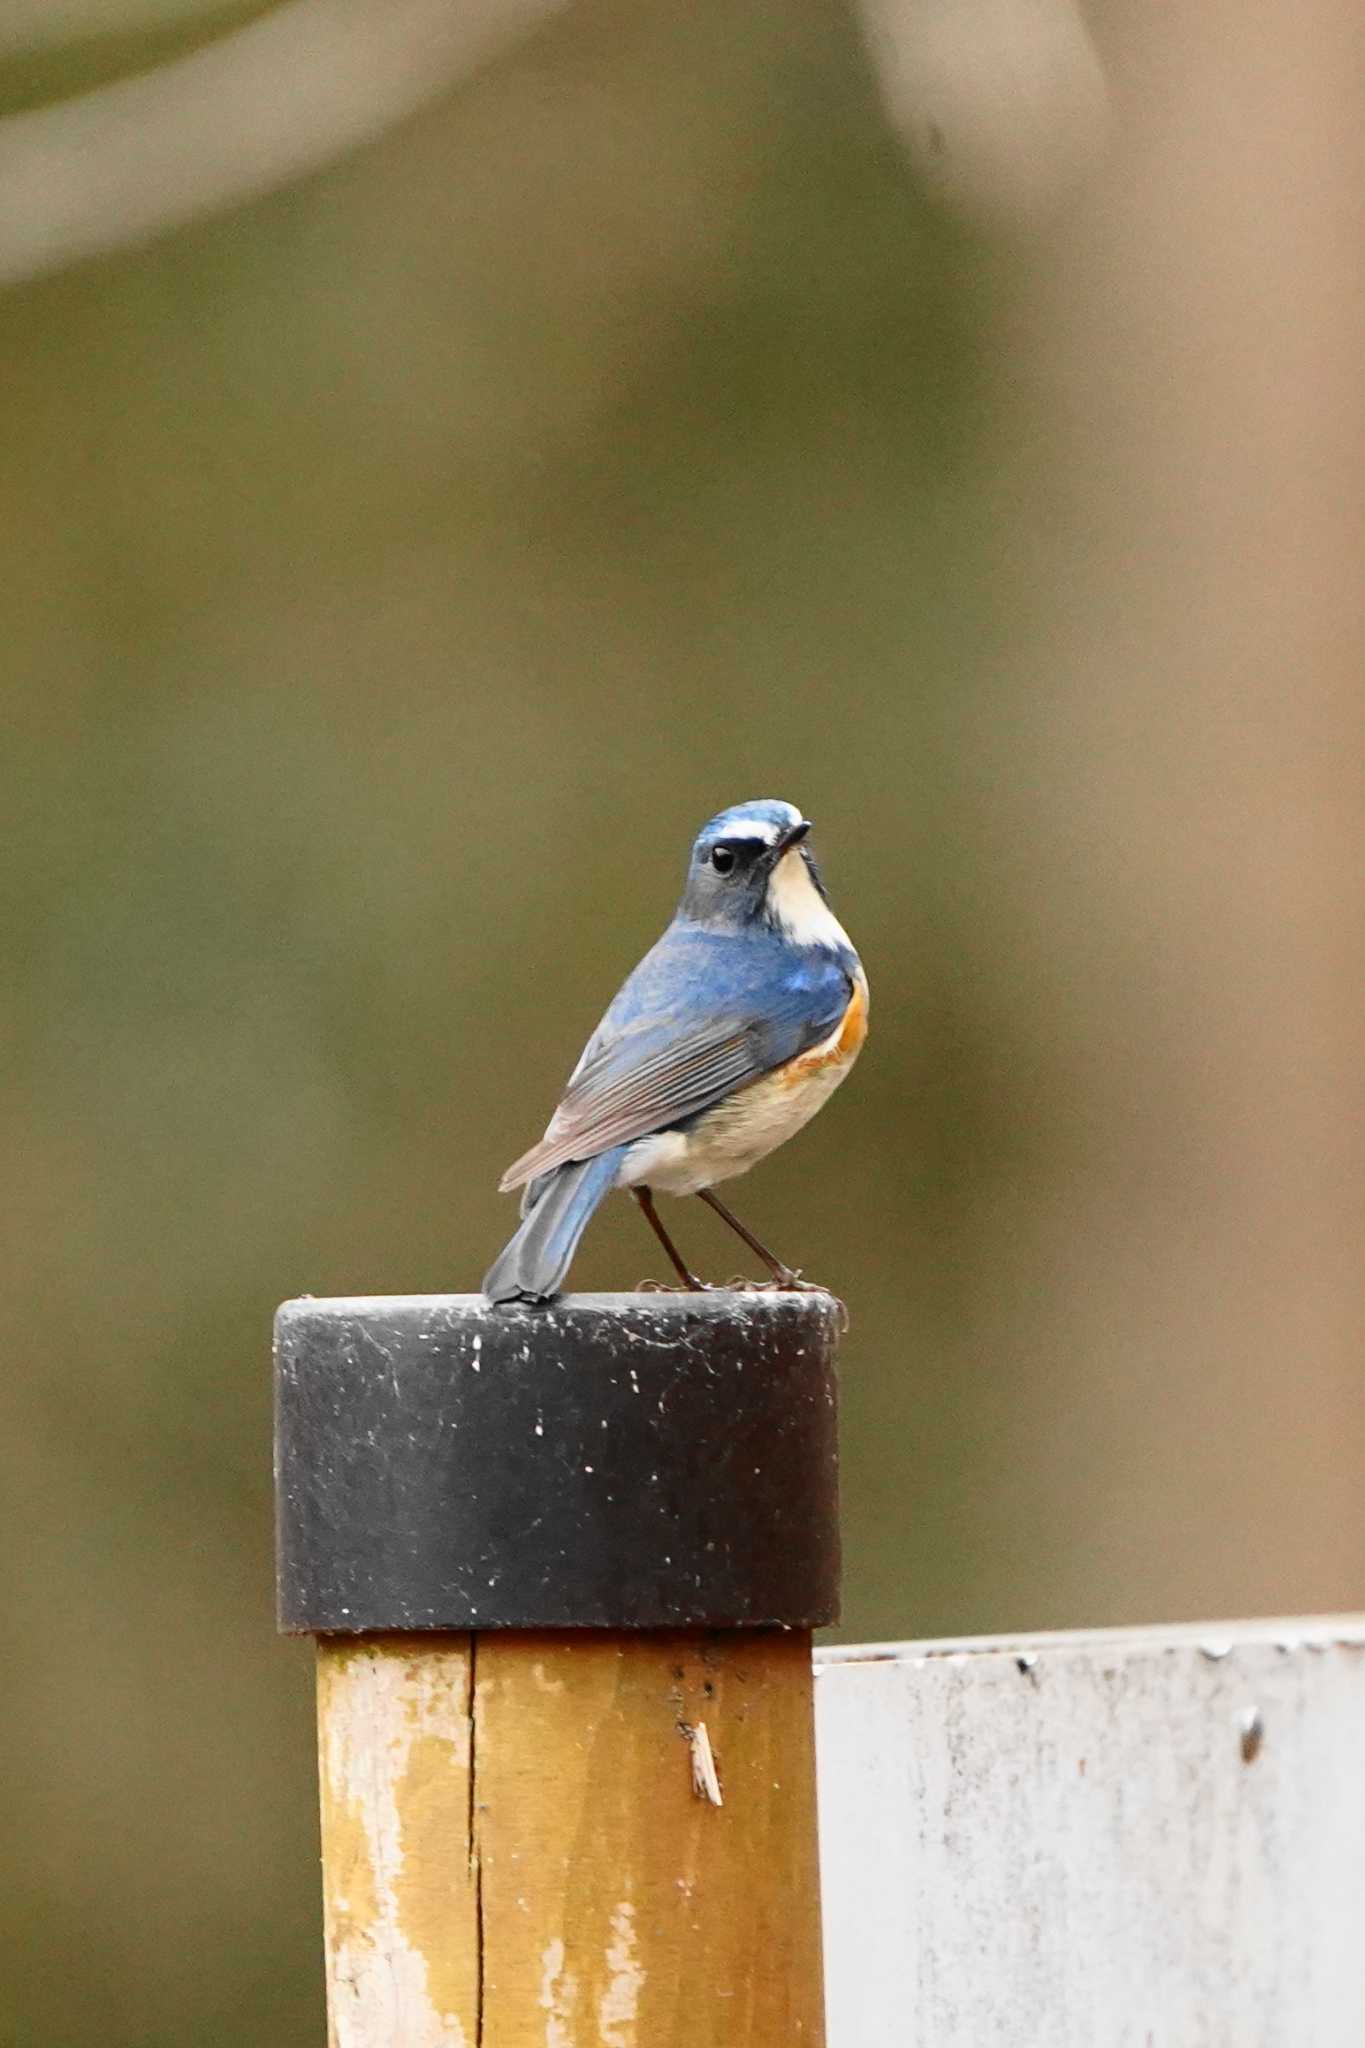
<point x="263" y="106"/>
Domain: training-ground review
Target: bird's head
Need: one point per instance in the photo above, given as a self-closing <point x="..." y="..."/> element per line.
<point x="752" y="864"/>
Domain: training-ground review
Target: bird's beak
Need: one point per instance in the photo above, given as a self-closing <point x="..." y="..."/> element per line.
<point x="793" y="836"/>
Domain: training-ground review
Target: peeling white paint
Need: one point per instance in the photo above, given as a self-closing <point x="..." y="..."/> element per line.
<point x="619" y="2006"/>
<point x="558" y="1997"/>
<point x="378" y="1706"/>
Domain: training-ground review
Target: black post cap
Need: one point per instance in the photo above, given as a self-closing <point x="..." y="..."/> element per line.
<point x="612" y="1461"/>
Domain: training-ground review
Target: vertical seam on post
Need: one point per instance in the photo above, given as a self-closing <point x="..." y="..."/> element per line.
<point x="472" y="1830"/>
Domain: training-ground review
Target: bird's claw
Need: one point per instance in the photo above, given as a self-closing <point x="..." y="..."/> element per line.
<point x="785" y="1282"/>
<point x="792" y="1284"/>
<point x="693" y="1286"/>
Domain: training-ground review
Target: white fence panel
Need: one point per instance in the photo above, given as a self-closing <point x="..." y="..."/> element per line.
<point x="1147" y="1839"/>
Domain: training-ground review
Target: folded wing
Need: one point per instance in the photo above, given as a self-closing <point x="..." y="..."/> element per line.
<point x="698" y="1019"/>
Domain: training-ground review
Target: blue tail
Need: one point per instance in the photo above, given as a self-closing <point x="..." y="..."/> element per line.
<point x="555" y="1212"/>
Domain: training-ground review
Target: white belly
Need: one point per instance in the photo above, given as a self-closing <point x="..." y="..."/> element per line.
<point x="734" y="1135"/>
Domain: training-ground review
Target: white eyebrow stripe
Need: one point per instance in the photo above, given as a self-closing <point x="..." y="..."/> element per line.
<point x="766" y="835"/>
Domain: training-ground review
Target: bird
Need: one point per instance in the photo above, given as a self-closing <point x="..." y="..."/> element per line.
<point x="734" y="1029"/>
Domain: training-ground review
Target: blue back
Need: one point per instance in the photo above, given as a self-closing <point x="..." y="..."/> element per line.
<point x="786" y="998"/>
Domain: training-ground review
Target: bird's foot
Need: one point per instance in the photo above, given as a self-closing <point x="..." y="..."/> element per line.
<point x="785" y="1282"/>
<point x="692" y="1285"/>
<point x="791" y="1284"/>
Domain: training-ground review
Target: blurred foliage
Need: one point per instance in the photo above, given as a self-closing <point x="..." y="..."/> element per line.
<point x="396" y="573"/>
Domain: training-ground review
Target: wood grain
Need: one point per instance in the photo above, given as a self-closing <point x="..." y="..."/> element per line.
<point x="619" y="1907"/>
<point x="516" y="1856"/>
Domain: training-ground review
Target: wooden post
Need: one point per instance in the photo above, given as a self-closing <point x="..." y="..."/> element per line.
<point x="563" y="1566"/>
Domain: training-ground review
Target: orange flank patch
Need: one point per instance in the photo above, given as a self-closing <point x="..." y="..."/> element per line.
<point x="838" y="1050"/>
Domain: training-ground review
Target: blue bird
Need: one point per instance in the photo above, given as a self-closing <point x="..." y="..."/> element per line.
<point x="731" y="1033"/>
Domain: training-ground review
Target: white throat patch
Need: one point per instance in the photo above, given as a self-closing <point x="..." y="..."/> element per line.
<point x="798" y="906"/>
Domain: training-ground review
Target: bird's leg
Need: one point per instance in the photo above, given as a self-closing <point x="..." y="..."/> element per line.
<point x="783" y="1276"/>
<point x="689" y="1280"/>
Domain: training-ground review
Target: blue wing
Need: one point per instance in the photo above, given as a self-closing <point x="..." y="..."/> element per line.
<point x="704" y="1013"/>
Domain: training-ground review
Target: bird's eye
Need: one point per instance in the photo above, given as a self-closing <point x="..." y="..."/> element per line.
<point x="722" y="859"/>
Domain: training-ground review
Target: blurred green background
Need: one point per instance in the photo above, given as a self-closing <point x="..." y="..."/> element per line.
<point x="689" y="405"/>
